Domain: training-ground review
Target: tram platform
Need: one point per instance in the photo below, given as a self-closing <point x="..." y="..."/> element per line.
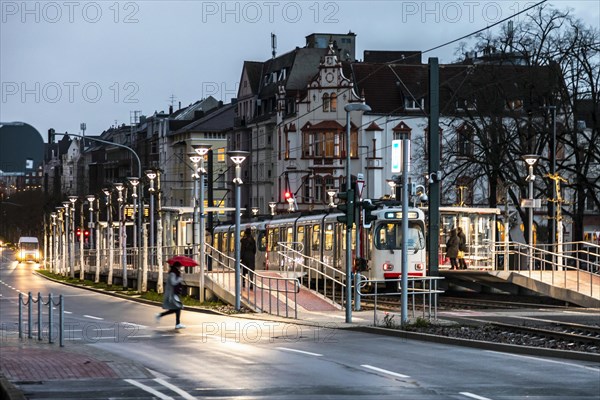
<point x="576" y="287"/>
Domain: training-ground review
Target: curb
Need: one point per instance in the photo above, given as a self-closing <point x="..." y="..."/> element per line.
<point x="500" y="347"/>
<point x="8" y="391"/>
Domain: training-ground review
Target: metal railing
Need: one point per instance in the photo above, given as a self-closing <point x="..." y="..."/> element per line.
<point x="50" y="303"/>
<point x="262" y="292"/>
<point x="425" y="287"/>
<point x="578" y="264"/>
<point x="328" y="281"/>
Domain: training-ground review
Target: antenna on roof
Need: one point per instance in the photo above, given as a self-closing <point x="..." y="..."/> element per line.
<point x="510" y="33"/>
<point x="273" y="44"/>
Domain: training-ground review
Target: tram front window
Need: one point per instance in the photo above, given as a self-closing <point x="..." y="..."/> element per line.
<point x="389" y="236"/>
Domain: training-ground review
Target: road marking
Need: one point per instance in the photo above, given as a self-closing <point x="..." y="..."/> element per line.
<point x="385" y="371"/>
<point x="174" y="388"/>
<point x="549" y="361"/>
<point x="474" y="396"/>
<point x="300" y="351"/>
<point x="66" y="312"/>
<point x="92" y="317"/>
<point x="148" y="389"/>
<point x="131" y="324"/>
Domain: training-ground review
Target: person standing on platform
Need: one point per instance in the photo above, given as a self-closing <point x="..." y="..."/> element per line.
<point x="171" y="298"/>
<point x="462" y="248"/>
<point x="247" y="256"/>
<point x="452" y="248"/>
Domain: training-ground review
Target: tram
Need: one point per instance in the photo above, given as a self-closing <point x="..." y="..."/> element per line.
<point x="29" y="249"/>
<point x="322" y="237"/>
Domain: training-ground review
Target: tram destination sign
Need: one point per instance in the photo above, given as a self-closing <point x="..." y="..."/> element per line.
<point x="398" y="215"/>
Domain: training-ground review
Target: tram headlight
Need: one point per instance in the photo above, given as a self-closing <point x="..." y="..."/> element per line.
<point x="419" y="267"/>
<point x="387" y="266"/>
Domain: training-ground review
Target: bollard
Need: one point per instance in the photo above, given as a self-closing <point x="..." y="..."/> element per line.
<point x="50" y="318"/>
<point x="39" y="303"/>
<point x="29" y="317"/>
<point x="20" y="315"/>
<point x="61" y="321"/>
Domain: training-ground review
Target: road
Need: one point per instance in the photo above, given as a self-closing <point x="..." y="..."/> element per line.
<point x="234" y="357"/>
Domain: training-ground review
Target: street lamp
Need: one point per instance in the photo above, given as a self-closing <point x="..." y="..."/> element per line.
<point x="73" y="200"/>
<point x="331" y="194"/>
<point x="392" y="184"/>
<point x="53" y="248"/>
<point x="530" y="160"/>
<point x="151" y="174"/>
<point x="109" y="234"/>
<point x="290" y="201"/>
<point x="195" y="158"/>
<point x="91" y="198"/>
<point x="134" y="182"/>
<point x="238" y="158"/>
<point x="349" y="108"/>
<point x="272" y="206"/>
<point x="202" y="151"/>
<point x="61" y="260"/>
<point x="120" y="187"/>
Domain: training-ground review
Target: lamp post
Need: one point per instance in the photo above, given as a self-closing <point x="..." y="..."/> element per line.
<point x="134" y="182"/>
<point x="255" y="212"/>
<point x="291" y="205"/>
<point x="73" y="200"/>
<point x="331" y="194"/>
<point x="195" y="158"/>
<point x="109" y="235"/>
<point x="530" y="160"/>
<point x="53" y="246"/>
<point x="272" y="206"/>
<point x="120" y="187"/>
<point x="62" y="249"/>
<point x="67" y="244"/>
<point x="349" y="108"/>
<point x="91" y="198"/>
<point x="238" y="158"/>
<point x="202" y="151"/>
<point x="151" y="174"/>
<point x="81" y="240"/>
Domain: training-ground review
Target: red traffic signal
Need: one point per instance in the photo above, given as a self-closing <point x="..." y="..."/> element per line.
<point x="287" y="195"/>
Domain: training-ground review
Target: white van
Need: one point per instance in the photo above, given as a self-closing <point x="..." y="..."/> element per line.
<point x="29" y="249"/>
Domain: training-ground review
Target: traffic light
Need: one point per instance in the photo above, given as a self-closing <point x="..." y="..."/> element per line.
<point x="367" y="217"/>
<point x="287" y="195"/>
<point x="347" y="208"/>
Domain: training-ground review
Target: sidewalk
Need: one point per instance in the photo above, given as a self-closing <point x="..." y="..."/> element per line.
<point x="30" y="360"/>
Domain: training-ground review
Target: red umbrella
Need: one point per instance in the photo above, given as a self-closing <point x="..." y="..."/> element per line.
<point x="183" y="260"/>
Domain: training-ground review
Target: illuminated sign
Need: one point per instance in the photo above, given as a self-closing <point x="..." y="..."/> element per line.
<point x="398" y="215"/>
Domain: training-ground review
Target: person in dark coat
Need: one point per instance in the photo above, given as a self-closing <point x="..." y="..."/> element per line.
<point x="247" y="256"/>
<point x="452" y="248"/>
<point x="171" y="298"/>
<point x="462" y="246"/>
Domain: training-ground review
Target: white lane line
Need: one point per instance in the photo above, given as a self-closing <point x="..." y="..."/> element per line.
<point x="92" y="317"/>
<point x="385" y="371"/>
<point x="66" y="312"/>
<point x="148" y="389"/>
<point x="174" y="388"/>
<point x="549" y="361"/>
<point x="474" y="396"/>
<point x="131" y="324"/>
<point x="300" y="351"/>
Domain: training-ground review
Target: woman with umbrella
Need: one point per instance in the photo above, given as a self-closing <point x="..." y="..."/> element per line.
<point x="171" y="300"/>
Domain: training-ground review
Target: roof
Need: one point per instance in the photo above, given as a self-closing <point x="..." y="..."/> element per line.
<point x="216" y="121"/>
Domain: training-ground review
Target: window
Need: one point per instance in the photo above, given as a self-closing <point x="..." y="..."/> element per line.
<point x="326" y="102"/>
<point x="333" y="102"/>
<point x="221" y="154"/>
<point x="464" y="140"/>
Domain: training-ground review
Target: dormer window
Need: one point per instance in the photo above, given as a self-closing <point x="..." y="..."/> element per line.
<point x="414" y="104"/>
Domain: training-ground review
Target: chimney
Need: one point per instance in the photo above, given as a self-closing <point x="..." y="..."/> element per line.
<point x="179" y="106"/>
<point x="171" y="109"/>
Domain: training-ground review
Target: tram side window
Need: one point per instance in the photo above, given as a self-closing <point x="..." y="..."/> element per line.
<point x="272" y="239"/>
<point x="300" y="236"/>
<point x="289" y="235"/>
<point x="316" y="237"/>
<point x="329" y="237"/>
<point x="262" y="241"/>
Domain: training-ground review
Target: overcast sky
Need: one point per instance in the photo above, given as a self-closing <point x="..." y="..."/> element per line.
<point x="67" y="62"/>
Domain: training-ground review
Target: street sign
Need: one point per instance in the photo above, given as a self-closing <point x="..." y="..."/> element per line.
<point x="360" y="184"/>
<point x="531" y="203"/>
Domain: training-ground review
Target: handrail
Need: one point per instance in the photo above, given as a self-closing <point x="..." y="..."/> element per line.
<point x="557" y="265"/>
<point x="266" y="288"/>
<point x="429" y="291"/>
<point x="311" y="268"/>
